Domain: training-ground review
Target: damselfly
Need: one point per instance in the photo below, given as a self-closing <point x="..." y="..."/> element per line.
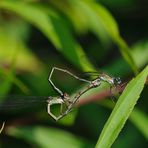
<point x="69" y="102"/>
<point x="65" y="101"/>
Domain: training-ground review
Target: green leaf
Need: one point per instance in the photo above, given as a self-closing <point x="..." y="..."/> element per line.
<point x="140" y="120"/>
<point x="6" y="75"/>
<point x="93" y="16"/>
<point x="122" y="110"/>
<point x="47" y="137"/>
<point x="5" y="83"/>
<point x="53" y="28"/>
<point x="69" y="47"/>
<point x="137" y="117"/>
<point x="10" y="46"/>
<point x="15" y="55"/>
<point x="104" y="18"/>
<point x="140" y="53"/>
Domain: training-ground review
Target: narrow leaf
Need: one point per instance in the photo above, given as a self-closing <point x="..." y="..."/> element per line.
<point x="122" y="110"/>
<point x="100" y="21"/>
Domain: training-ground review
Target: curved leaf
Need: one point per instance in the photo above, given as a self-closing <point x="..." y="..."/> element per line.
<point x="122" y="110"/>
<point x="104" y="18"/>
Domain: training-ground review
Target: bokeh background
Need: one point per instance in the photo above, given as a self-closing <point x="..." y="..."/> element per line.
<point x="80" y="36"/>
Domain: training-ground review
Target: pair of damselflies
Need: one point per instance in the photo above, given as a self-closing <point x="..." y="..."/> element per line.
<point x="65" y="101"/>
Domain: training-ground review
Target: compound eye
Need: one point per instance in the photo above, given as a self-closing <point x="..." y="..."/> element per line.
<point x="118" y="80"/>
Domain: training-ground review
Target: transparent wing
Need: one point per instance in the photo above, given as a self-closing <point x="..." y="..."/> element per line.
<point x="18" y="102"/>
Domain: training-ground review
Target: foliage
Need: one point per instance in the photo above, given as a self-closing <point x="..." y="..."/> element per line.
<point x="122" y="110"/>
<point x="36" y="35"/>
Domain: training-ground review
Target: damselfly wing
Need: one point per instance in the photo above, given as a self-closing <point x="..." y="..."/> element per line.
<point x="19" y="102"/>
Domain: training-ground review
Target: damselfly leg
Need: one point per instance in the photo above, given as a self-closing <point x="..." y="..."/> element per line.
<point x="65" y="99"/>
<point x="61" y="93"/>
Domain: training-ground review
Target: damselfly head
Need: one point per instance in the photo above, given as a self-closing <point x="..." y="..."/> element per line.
<point x="117" y="81"/>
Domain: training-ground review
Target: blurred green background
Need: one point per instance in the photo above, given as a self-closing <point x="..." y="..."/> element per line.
<point x="80" y="36"/>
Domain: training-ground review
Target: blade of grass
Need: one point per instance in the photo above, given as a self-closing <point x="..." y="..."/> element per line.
<point x="137" y="117"/>
<point x="104" y="18"/>
<point x="122" y="110"/>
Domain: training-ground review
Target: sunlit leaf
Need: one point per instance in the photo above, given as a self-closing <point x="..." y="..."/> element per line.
<point x="122" y="110"/>
<point x="14" y="55"/>
<point x="9" y="46"/>
<point x="137" y="117"/>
